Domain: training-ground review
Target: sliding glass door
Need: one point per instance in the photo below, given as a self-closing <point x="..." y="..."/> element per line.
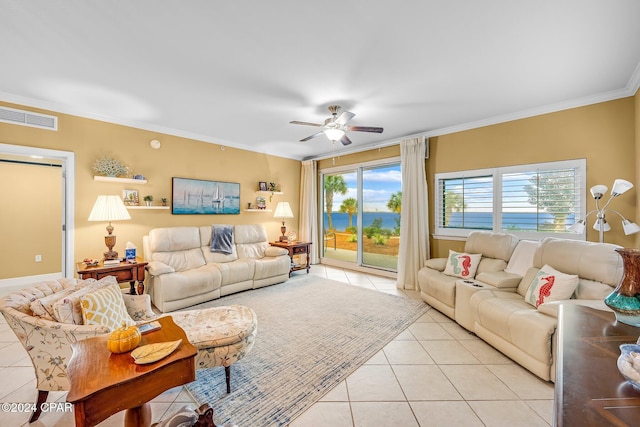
<point x="361" y="216"/>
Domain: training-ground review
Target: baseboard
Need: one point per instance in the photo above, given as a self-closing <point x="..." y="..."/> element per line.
<point x="21" y="282"/>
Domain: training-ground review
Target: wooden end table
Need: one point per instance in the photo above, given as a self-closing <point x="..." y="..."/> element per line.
<point x="296" y="248"/>
<point x="103" y="383"/>
<point x="124" y="272"/>
<point x="589" y="390"/>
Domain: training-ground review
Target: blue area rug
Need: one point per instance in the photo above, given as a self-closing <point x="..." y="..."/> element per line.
<point x="312" y="333"/>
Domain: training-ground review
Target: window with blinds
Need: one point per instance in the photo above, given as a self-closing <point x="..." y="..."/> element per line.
<point x="535" y="200"/>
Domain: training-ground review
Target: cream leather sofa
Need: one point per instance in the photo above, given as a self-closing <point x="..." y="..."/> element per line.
<point x="525" y="333"/>
<point x="439" y="289"/>
<point x="183" y="271"/>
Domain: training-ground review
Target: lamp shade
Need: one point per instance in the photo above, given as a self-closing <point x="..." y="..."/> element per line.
<point x="283" y="210"/>
<point x="620" y="186"/>
<point x="334" y="134"/>
<point x="597" y="191"/>
<point x="630" y="227"/>
<point x="109" y="208"/>
<point x="605" y="227"/>
<point x="577" y="227"/>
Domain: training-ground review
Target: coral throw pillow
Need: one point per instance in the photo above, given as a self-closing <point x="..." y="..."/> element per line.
<point x="463" y="265"/>
<point x="550" y="285"/>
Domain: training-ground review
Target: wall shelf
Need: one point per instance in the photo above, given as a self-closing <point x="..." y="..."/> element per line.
<point x="257" y="210"/>
<point x="120" y="180"/>
<point x="148" y="207"/>
<point x="273" y="193"/>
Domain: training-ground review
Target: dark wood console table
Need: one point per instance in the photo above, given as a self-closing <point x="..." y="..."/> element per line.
<point x="589" y="390"/>
<point x="124" y="272"/>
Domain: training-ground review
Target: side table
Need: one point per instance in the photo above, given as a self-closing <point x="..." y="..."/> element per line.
<point x="296" y="248"/>
<point x="103" y="383"/>
<point x="124" y="272"/>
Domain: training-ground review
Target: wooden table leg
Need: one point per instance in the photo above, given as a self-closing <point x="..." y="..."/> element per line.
<point x="139" y="416"/>
<point x="132" y="287"/>
<point x="140" y="287"/>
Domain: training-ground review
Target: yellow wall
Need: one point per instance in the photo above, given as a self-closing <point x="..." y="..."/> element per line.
<point x="25" y="189"/>
<point x="603" y="133"/>
<point x="178" y="157"/>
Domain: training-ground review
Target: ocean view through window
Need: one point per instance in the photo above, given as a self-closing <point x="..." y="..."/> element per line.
<point x="361" y="208"/>
<point x="530" y="201"/>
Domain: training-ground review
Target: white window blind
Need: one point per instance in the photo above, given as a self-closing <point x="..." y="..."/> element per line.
<point x="535" y="200"/>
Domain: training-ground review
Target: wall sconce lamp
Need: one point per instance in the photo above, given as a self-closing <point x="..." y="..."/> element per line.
<point x="283" y="210"/>
<point x="109" y="208"/>
<point x="620" y="186"/>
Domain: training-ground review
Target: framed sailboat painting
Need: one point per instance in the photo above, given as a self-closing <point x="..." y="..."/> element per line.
<point x="197" y="196"/>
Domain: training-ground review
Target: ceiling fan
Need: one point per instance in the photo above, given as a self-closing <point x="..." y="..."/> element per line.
<point x="335" y="127"/>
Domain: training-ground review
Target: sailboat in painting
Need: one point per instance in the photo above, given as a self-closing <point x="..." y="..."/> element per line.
<point x="193" y="196"/>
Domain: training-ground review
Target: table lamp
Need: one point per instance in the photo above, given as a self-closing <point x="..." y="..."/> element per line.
<point x="283" y="210"/>
<point x="109" y="208"/>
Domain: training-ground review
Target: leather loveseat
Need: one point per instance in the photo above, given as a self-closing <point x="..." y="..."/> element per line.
<point x="494" y="304"/>
<point x="183" y="270"/>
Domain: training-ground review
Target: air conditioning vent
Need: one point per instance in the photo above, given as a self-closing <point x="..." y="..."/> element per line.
<point x="28" y="118"/>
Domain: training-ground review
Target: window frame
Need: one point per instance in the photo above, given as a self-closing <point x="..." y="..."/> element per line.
<point x="580" y="166"/>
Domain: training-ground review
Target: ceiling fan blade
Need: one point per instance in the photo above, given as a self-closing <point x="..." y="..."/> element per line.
<point x="344" y="117"/>
<point x="345" y="140"/>
<point x="295" y="122"/>
<point x="365" y="129"/>
<point x="311" y="136"/>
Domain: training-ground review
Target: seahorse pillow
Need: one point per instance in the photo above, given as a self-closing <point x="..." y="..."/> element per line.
<point x="463" y="265"/>
<point x="550" y="285"/>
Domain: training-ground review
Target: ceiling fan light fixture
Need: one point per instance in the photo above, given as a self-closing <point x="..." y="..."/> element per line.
<point x="334" y="134"/>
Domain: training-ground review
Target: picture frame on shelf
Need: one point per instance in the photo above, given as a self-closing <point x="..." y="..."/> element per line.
<point x="262" y="186"/>
<point x="199" y="196"/>
<point x="130" y="197"/>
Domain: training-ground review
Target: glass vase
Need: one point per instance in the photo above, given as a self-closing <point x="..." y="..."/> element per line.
<point x="625" y="299"/>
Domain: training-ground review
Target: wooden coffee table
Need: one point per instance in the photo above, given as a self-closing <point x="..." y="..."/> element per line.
<point x="103" y="383"/>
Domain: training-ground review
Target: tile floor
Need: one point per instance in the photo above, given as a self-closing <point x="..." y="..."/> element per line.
<point x="434" y="373"/>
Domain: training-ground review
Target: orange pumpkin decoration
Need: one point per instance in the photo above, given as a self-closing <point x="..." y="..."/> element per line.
<point x="124" y="339"/>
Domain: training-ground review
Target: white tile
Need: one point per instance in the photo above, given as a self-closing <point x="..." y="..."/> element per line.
<point x="485" y="353"/>
<point x="449" y="352"/>
<point x="334" y="414"/>
<point x="338" y="394"/>
<point x="476" y="382"/>
<point x="544" y="408"/>
<point x="378" y="359"/>
<point x="425" y="382"/>
<point x="376" y="414"/>
<point x="407" y="353"/>
<point x="522" y="382"/>
<point x="445" y="414"/>
<point x="374" y="383"/>
<point x="429" y="331"/>
<point x="458" y="332"/>
<point x="514" y="413"/>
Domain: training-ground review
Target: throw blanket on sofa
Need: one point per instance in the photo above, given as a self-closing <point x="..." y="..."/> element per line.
<point x="222" y="239"/>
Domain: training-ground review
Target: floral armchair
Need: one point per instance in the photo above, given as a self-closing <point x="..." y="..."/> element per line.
<point x="48" y="342"/>
<point x="223" y="335"/>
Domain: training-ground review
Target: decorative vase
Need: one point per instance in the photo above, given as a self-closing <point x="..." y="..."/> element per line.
<point x="625" y="299"/>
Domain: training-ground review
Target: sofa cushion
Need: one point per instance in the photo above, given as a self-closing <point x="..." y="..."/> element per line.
<point x="105" y="307"/>
<point x="184" y="260"/>
<point x="462" y="265"/>
<point x="172" y="239"/>
<point x="522" y="258"/>
<point x="550" y="285"/>
<point x="213" y="257"/>
<point x="491" y="244"/>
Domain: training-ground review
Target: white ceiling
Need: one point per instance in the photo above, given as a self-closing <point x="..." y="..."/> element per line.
<point x="236" y="72"/>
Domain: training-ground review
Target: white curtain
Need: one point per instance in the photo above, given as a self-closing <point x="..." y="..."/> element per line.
<point x="309" y="207"/>
<point x="414" y="219"/>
